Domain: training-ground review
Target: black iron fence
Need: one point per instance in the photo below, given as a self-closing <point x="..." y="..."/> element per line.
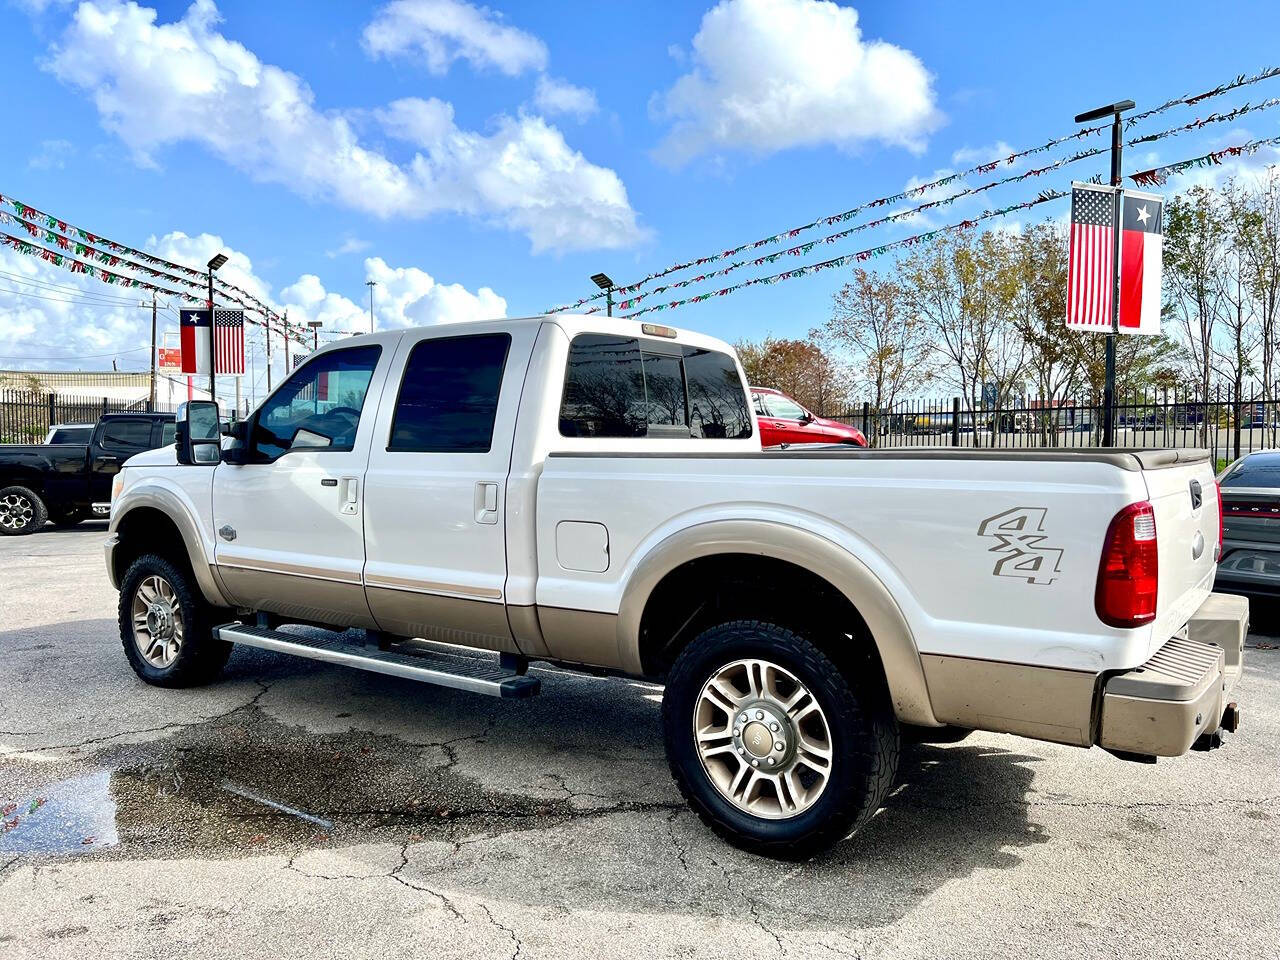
<point x="1229" y="426"/>
<point x="26" y="416"/>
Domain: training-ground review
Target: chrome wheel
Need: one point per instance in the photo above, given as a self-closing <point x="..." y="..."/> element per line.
<point x="16" y="511"/>
<point x="157" y="621"/>
<point x="763" y="739"/>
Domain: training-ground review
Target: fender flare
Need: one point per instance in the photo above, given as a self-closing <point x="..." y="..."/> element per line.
<point x="172" y="506"/>
<point x="830" y="561"/>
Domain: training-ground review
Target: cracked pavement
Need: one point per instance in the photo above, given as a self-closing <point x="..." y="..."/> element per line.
<point x="294" y="809"/>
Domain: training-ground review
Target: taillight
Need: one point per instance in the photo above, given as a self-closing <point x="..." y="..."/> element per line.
<point x="1128" y="576"/>
<point x="1217" y="554"/>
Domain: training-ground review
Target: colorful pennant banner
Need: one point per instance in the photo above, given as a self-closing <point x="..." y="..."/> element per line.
<point x="1158" y="175"/>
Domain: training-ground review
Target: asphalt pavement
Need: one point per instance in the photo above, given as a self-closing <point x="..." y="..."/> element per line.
<point x="294" y="809"/>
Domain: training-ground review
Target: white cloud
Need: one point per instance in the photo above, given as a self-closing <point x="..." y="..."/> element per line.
<point x="349" y="245"/>
<point x="156" y="84"/>
<point x="51" y="318"/>
<point x="442" y="31"/>
<point x="971" y="156"/>
<point x="554" y="97"/>
<point x="772" y="74"/>
<point x="52" y="155"/>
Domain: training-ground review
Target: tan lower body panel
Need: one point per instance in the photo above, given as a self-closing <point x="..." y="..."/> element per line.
<point x="1045" y="703"/>
<point x="470" y="623"/>
<point x="306" y="598"/>
<point x="581" y="636"/>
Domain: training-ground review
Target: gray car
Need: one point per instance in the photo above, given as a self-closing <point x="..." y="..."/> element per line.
<point x="1251" y="524"/>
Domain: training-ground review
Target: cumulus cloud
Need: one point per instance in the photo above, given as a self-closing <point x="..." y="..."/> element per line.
<point x="555" y="97"/>
<point x="155" y="84"/>
<point x="443" y="31"/>
<point x="971" y="156"/>
<point x="772" y="74"/>
<point x="51" y="318"/>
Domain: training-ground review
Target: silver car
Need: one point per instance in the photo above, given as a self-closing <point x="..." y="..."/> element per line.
<point x="1251" y="524"/>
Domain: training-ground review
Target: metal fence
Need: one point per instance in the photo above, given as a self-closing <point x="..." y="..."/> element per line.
<point x="1160" y="419"/>
<point x="26" y="415"/>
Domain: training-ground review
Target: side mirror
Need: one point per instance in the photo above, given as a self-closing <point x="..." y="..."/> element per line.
<point x="198" y="433"/>
<point x="806" y="417"/>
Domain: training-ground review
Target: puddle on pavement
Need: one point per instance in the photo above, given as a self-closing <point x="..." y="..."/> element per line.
<point x="71" y="816"/>
<point x="248" y="784"/>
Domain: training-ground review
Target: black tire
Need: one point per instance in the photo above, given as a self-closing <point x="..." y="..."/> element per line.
<point x="21" y="511"/>
<point x="200" y="657"/>
<point x="864" y="738"/>
<point x="69" y="516"/>
<point x="914" y="734"/>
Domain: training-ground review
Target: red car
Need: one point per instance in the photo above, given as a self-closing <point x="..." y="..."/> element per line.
<point x="782" y="420"/>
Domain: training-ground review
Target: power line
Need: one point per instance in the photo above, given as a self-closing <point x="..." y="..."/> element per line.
<point x="37" y="296"/>
<point x="60" y="287"/>
<point x="96" y="356"/>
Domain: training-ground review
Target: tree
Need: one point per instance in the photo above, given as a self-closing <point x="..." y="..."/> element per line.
<point x="1195" y="251"/>
<point x="962" y="286"/>
<point x="1255" y="219"/>
<point x="886" y="343"/>
<point x="801" y="369"/>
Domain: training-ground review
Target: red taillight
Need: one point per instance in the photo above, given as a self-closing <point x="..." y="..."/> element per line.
<point x="1128" y="576"/>
<point x="1217" y="554"/>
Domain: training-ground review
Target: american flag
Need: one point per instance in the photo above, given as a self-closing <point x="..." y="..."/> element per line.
<point x="228" y="341"/>
<point x="1091" y="272"/>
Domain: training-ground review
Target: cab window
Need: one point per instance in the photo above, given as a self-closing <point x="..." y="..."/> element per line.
<point x="319" y="406"/>
<point x="126" y="436"/>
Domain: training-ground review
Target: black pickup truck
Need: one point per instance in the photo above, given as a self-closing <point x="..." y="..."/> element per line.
<point x="62" y="481"/>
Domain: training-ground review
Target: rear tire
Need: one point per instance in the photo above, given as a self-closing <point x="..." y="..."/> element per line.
<point x="166" y="626"/>
<point x="21" y="511"/>
<point x="832" y="735"/>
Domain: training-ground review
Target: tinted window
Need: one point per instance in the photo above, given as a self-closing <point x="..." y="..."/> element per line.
<point x="603" y="388"/>
<point x="1255" y="471"/>
<point x="319" y="406"/>
<point x="71" y="435"/>
<point x="168" y="430"/>
<point x="126" y="435"/>
<point x="449" y="396"/>
<point x="717" y="406"/>
<point x="624" y="387"/>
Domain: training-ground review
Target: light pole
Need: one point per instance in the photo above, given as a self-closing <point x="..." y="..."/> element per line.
<point x="1109" y="383"/>
<point x="371" y="284"/>
<point x="602" y="281"/>
<point x="315" y="326"/>
<point x="215" y="262"/>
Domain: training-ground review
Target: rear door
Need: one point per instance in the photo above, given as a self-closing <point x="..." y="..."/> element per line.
<point x="435" y="501"/>
<point x="289" y="524"/>
<point x="114" y="442"/>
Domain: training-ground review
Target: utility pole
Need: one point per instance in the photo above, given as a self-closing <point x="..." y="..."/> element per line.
<point x="371" y="284"/>
<point x="1117" y="146"/>
<point x="268" y="353"/>
<point x="151" y="399"/>
<point x="285" y="324"/>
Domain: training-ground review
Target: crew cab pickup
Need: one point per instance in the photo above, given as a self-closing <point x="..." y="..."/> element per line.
<point x="592" y="493"/>
<point x="62" y="481"/>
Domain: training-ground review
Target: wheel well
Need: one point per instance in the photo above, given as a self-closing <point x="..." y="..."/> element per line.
<point x="148" y="530"/>
<point x="32" y="480"/>
<point x="710" y="590"/>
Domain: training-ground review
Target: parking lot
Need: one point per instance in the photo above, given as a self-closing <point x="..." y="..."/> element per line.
<point x="297" y="810"/>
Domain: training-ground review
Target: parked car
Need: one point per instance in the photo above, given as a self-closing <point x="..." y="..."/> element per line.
<point x="69" y="433"/>
<point x="1251" y="524"/>
<point x="61" y="482"/>
<point x="593" y="493"/>
<point x="783" y="420"/>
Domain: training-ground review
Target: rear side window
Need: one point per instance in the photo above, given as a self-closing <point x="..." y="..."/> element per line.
<point x="449" y="396"/>
<point x="126" y="435"/>
<point x="625" y="387"/>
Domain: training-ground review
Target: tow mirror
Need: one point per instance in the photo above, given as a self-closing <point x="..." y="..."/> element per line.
<point x="198" y="433"/>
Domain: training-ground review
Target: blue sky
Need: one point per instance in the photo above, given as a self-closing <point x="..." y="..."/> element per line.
<point x="560" y="139"/>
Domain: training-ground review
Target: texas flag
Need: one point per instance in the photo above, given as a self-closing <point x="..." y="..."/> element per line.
<point x="194" y="326"/>
<point x="1141" y="245"/>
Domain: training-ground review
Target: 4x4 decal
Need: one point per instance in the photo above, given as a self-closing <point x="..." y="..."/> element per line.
<point x="1019" y="536"/>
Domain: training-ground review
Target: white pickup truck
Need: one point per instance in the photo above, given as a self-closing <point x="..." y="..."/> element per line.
<point x="592" y="492"/>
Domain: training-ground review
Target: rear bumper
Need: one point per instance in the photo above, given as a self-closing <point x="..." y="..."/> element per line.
<point x="1179" y="695"/>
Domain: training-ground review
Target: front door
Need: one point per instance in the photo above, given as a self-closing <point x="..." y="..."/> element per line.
<point x="289" y="524"/>
<point x="435" y="497"/>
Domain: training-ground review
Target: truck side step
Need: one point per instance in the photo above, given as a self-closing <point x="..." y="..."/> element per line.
<point x="475" y="676"/>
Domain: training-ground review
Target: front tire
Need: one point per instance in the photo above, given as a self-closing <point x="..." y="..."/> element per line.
<point x="21" y="511"/>
<point x="776" y="748"/>
<point x="166" y="626"/>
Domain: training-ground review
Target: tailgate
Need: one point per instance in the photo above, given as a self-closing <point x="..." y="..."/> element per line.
<point x="1184" y="495"/>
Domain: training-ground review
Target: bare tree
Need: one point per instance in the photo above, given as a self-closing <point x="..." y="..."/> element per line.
<point x="1195" y="249"/>
<point x="886" y="343"/>
<point x="1255" y="219"/>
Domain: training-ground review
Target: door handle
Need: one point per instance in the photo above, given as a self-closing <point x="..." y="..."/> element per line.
<point x="349" y="495"/>
<point x="486" y="502"/>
